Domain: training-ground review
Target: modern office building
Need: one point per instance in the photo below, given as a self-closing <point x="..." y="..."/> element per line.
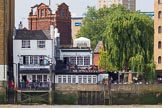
<point x="157" y="36"/>
<point x="76" y="23"/>
<point x="130" y="4"/>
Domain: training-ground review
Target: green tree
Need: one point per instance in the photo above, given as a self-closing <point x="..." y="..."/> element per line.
<point x="127" y="37"/>
<point x="94" y="25"/>
<point x="104" y="61"/>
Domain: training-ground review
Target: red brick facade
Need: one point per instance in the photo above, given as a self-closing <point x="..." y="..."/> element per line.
<point x="44" y="17"/>
<point x="96" y="55"/>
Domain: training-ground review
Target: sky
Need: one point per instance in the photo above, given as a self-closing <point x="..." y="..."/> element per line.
<point x="76" y="7"/>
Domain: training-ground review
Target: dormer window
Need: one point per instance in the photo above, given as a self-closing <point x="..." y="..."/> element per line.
<point x="42" y="13"/>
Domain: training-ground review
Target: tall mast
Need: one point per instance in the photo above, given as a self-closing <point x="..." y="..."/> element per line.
<point x="49" y="2"/>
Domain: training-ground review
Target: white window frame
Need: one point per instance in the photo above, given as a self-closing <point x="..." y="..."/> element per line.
<point x="85" y="79"/>
<point x="25" y="44"/>
<point x="64" y="80"/>
<point x="89" y="79"/>
<point x="79" y="79"/>
<point x="94" y="79"/>
<point x="41" y="44"/>
<point x="86" y="60"/>
<point x="80" y="60"/>
<point x="69" y="79"/>
<point x="59" y="79"/>
<point x="73" y="79"/>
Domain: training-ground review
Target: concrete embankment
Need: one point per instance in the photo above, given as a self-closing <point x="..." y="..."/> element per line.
<point x="80" y="106"/>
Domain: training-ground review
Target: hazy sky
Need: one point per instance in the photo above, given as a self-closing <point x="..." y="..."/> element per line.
<point x="77" y="7"/>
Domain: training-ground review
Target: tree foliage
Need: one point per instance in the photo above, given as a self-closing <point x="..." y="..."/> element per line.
<point x="127" y="37"/>
<point x="104" y="61"/>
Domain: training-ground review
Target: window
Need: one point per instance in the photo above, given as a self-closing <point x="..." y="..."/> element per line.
<point x="80" y="79"/>
<point x="39" y="78"/>
<point x="73" y="60"/>
<point x="87" y="60"/>
<point x="41" y="60"/>
<point x="79" y="60"/>
<point x="31" y="59"/>
<point x="25" y="60"/>
<point x="159" y="44"/>
<point x="94" y="79"/>
<point x="42" y="12"/>
<point x="84" y="79"/>
<point x="64" y="79"/>
<point x="159" y="14"/>
<point x="63" y="13"/>
<point x="159" y="29"/>
<point x="69" y="79"/>
<point x="159" y="60"/>
<point x="41" y="44"/>
<point x="33" y="78"/>
<point x="45" y="78"/>
<point x="36" y="60"/>
<point x="74" y="79"/>
<point x="89" y="79"/>
<point x="59" y="79"/>
<point x="25" y="43"/>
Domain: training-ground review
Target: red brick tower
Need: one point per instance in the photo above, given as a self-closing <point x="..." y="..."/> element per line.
<point x="43" y="17"/>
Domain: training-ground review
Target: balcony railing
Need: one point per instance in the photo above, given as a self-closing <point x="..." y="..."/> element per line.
<point x="34" y="86"/>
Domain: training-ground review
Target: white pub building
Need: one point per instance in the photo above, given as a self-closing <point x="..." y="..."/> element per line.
<point x="34" y="57"/>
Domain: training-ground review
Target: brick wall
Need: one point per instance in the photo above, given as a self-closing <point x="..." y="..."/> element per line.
<point x="79" y="87"/>
<point x="118" y="88"/>
<point x="61" y="19"/>
<point x="136" y="88"/>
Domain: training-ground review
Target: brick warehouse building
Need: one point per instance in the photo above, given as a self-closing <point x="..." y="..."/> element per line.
<point x="44" y="16"/>
<point x="7" y="8"/>
<point x="157" y="37"/>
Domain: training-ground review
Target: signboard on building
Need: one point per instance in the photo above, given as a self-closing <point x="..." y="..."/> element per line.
<point x="78" y="24"/>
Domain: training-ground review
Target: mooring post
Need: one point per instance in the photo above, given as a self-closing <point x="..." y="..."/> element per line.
<point x="50" y="90"/>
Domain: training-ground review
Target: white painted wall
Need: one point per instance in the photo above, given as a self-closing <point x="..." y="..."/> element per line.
<point x="68" y="54"/>
<point x="33" y="50"/>
<point x="77" y="77"/>
<point x="3" y="73"/>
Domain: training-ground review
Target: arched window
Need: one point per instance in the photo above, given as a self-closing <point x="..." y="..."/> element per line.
<point x="159" y="29"/>
<point x="159" y="14"/>
<point x="159" y="1"/>
<point x="159" y="44"/>
<point x="159" y="60"/>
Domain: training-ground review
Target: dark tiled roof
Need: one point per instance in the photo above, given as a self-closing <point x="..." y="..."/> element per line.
<point x="98" y="47"/>
<point x="32" y="35"/>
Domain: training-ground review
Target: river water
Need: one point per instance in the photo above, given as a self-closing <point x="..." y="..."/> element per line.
<point x="80" y="106"/>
